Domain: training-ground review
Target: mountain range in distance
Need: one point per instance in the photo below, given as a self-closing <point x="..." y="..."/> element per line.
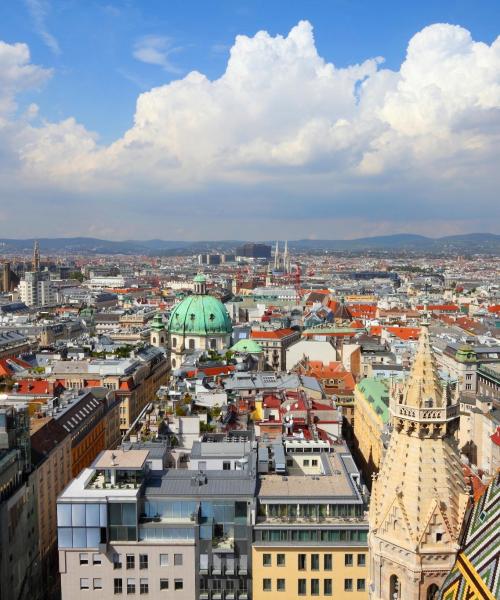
<point x="467" y="243"/>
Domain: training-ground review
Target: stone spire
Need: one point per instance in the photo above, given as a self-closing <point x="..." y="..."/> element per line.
<point x="419" y="497"/>
<point x="423" y="387"/>
<point x="277" y="257"/>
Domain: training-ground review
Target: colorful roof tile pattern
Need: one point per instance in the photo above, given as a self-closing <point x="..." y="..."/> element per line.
<point x="476" y="574"/>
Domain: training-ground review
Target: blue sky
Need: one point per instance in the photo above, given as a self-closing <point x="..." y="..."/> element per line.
<point x="99" y="56"/>
<point x="97" y="78"/>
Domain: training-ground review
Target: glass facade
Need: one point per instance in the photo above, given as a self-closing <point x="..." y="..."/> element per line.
<point x="81" y="525"/>
<point x="312" y="535"/>
<point x="122" y="521"/>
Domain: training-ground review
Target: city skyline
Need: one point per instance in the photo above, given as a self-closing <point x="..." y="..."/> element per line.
<point x="289" y="127"/>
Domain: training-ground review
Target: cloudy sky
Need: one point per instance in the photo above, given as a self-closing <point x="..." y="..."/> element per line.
<point x="219" y="119"/>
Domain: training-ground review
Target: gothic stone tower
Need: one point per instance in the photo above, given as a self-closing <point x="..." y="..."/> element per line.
<point x="419" y="497"/>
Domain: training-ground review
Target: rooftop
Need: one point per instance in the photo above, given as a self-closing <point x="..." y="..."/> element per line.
<point x="121" y="459"/>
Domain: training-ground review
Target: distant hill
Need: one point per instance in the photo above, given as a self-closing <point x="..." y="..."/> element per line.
<point x="473" y="242"/>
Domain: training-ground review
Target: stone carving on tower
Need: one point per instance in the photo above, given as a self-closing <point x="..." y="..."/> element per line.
<point x="419" y="497"/>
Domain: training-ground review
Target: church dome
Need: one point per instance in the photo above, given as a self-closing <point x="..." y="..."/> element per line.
<point x="200" y="314"/>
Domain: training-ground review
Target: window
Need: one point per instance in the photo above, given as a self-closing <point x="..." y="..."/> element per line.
<point x="163" y="560"/>
<point x="226" y="465"/>
<point x="97" y="583"/>
<point x="280" y="560"/>
<point x="361" y="560"/>
<point x="266" y="585"/>
<point x="360" y="585"/>
<point x="163" y="584"/>
<point x="130" y="586"/>
<point x="327" y="562"/>
<point x="315" y="562"/>
<point x="314" y="587"/>
<point x="266" y="560"/>
<point x="327" y="587"/>
<point x="302" y="587"/>
<point x="468" y="386"/>
<point x="348" y="562"/>
<point x="84" y="584"/>
<point x="143" y="586"/>
<point x="280" y="585"/>
<point x="96" y="559"/>
<point x="117" y="561"/>
<point x="84" y="559"/>
<point x="347" y="585"/>
<point x="143" y="561"/>
<point x="314" y="462"/>
<point x="178" y="584"/>
<point x="439" y="537"/>
<point x="130" y="561"/>
<point x="118" y="585"/>
<point x="305" y="463"/>
<point x="302" y="562"/>
<point x="174" y="342"/>
<point x="177" y="560"/>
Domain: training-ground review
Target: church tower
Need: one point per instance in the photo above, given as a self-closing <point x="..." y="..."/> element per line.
<point x="419" y="497"/>
<point x="158" y="336"/>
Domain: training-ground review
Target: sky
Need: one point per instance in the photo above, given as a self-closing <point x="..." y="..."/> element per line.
<point x="253" y="120"/>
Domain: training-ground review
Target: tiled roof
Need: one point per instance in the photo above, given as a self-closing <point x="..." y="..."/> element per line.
<point x="277" y="334"/>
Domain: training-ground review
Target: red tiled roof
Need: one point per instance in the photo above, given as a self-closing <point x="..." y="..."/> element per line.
<point x="7" y="370"/>
<point x="440" y="307"/>
<point x="495" y="438"/>
<point x="34" y="386"/>
<point x="271" y="402"/>
<point x="405" y="333"/>
<point x="271" y="335"/>
<point x="477" y="485"/>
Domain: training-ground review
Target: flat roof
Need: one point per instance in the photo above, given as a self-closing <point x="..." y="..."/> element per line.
<point x="333" y="487"/>
<point x="121" y="459"/>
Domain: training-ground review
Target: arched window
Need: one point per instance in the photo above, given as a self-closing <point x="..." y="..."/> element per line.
<point x="191" y="344"/>
<point x="213" y="344"/>
<point x="394" y="588"/>
<point x="432" y="592"/>
<point x="173" y="363"/>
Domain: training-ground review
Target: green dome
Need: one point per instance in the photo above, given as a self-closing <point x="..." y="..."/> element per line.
<point x="200" y="315"/>
<point x="200" y="278"/>
<point x="247" y="346"/>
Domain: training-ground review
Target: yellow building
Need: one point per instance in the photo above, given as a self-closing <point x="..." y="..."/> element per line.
<point x="371" y="414"/>
<point x="310" y="538"/>
<point x="295" y="571"/>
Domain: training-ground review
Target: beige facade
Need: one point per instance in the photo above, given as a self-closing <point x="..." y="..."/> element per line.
<point x="419" y="498"/>
<point x="129" y="569"/>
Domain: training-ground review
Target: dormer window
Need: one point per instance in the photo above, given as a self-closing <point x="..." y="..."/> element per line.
<point x="429" y="403"/>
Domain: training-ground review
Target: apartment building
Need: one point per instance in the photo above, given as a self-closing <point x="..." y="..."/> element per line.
<point x="125" y="529"/>
<point x="51" y="460"/>
<point x="310" y="539"/>
<point x="274" y="343"/>
<point x="134" y="380"/>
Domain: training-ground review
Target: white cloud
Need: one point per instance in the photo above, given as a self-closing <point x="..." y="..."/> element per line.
<point x="39" y="10"/>
<point x="291" y="133"/>
<point x="157" y="50"/>
<point x="17" y="75"/>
